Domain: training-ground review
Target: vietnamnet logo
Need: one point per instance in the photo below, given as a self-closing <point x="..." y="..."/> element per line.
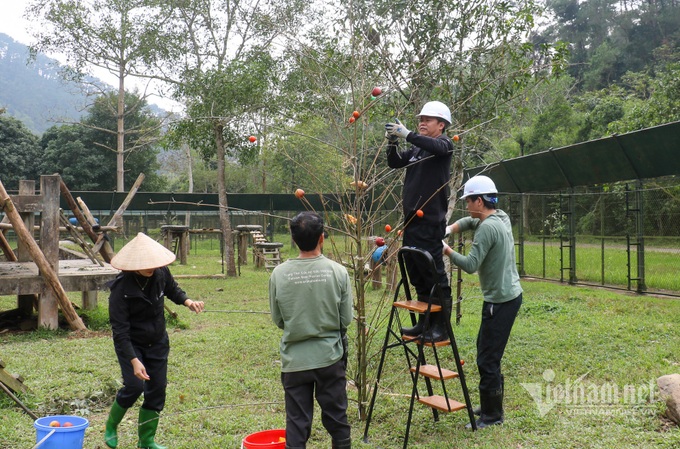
<point x="582" y="397"/>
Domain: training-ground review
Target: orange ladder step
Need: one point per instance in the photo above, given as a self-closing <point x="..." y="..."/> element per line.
<point x="417" y="340"/>
<point x="432" y="372"/>
<point x="416" y="306"/>
<point x="440" y="403"/>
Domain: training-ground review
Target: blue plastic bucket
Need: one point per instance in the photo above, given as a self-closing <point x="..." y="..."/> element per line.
<point x="64" y="436"/>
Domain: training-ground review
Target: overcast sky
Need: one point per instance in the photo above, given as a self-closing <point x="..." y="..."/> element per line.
<point x="12" y="21"/>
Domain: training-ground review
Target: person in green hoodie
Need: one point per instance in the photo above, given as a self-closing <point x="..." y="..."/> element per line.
<point x="492" y="256"/>
<point x="311" y="300"/>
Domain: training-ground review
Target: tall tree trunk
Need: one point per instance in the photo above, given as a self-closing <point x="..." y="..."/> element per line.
<point x="225" y="222"/>
<point x="190" y="176"/>
<point x="120" y="121"/>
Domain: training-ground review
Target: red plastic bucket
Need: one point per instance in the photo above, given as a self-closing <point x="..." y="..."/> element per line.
<point x="267" y="439"/>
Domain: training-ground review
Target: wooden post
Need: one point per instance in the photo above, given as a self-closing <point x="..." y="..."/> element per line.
<point x="89" y="298"/>
<point x="48" y="310"/>
<point x="376" y="274"/>
<point x="183" y="246"/>
<point x="243" y="247"/>
<point x="51" y="279"/>
<point x="25" y="302"/>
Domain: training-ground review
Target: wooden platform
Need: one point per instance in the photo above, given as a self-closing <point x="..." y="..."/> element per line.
<point x="22" y="278"/>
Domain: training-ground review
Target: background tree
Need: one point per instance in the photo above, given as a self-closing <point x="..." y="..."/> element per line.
<point x="226" y="76"/>
<point x="19" y="151"/>
<point x="123" y="37"/>
<point x="85" y="155"/>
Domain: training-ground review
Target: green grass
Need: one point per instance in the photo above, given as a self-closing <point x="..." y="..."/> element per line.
<point x="605" y="267"/>
<point x="224" y="370"/>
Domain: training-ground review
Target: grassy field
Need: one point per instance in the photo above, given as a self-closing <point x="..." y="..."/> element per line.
<point x="580" y="371"/>
<point x="608" y="266"/>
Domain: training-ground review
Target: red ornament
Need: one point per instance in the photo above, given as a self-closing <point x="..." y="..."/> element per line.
<point x="379" y="241"/>
<point x="356" y="114"/>
<point x="352" y="119"/>
<point x="252" y="139"/>
<point x="420" y="213"/>
<point x="376" y="91"/>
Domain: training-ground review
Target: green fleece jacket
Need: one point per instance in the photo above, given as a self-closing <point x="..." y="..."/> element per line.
<point x="492" y="256"/>
<point x="311" y="300"/>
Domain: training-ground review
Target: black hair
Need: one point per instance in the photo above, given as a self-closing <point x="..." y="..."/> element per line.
<point x="490" y="200"/>
<point x="306" y="228"/>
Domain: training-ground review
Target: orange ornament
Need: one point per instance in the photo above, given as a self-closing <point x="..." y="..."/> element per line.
<point x="456" y="138"/>
<point x="299" y="193"/>
<point x="388" y="228"/>
<point x="252" y="139"/>
<point x="356" y="114"/>
<point x="420" y="213"/>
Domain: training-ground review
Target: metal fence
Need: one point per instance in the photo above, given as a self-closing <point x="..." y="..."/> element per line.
<point x="624" y="236"/>
<point x="620" y="235"/>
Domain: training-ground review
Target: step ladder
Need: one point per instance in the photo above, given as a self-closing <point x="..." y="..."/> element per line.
<point x="415" y="348"/>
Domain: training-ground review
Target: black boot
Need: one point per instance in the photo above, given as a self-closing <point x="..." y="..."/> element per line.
<point x="478" y="410"/>
<point x="416" y="330"/>
<point x="439" y="322"/>
<point x="343" y="444"/>
<point x="491" y="409"/>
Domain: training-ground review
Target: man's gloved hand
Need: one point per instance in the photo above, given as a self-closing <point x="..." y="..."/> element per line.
<point x="391" y="138"/>
<point x="447" y="249"/>
<point x="396" y="129"/>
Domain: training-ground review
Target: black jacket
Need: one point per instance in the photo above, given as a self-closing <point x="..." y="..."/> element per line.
<point x="137" y="315"/>
<point x="428" y="172"/>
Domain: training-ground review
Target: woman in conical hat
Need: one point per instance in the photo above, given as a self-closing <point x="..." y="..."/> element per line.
<point x="137" y="315"/>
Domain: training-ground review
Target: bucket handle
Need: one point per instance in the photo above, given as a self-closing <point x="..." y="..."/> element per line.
<point x="40" y="443"/>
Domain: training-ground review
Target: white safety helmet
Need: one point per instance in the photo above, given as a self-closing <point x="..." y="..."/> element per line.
<point x="436" y="109"/>
<point x="479" y="185"/>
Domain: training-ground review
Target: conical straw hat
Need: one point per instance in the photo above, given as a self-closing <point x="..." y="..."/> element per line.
<point x="142" y="253"/>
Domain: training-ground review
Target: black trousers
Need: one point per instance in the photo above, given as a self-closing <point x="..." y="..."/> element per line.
<point x="427" y="237"/>
<point x="155" y="360"/>
<point x="494" y="332"/>
<point x="328" y="385"/>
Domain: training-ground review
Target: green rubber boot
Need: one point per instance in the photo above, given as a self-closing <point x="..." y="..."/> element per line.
<point x="115" y="417"/>
<point x="148" y="423"/>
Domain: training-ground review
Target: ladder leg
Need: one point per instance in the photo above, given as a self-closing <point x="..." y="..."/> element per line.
<point x="377" y="378"/>
<point x="461" y="377"/>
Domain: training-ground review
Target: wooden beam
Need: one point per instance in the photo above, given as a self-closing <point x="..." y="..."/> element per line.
<point x="8" y="227"/>
<point x="105" y="250"/>
<point x="46" y="270"/>
<point x="7" y="249"/>
<point x="11" y="381"/>
<point x="131" y="194"/>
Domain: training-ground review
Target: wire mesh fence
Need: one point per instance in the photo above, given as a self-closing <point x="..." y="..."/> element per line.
<point x="620" y="235"/>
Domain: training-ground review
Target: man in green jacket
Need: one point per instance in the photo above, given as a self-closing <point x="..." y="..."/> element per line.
<point x="492" y="256"/>
<point x="311" y="300"/>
